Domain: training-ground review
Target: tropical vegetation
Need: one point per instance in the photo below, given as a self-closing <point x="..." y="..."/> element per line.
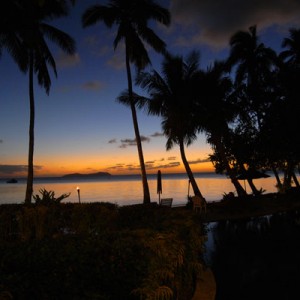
<point x="246" y="105"/>
<point x="171" y="97"/>
<point x="132" y="18"/>
<point x="248" y="108"/>
<point x="25" y="37"/>
<point x="99" y="251"/>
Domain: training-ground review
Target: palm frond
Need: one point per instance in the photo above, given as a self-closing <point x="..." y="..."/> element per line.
<point x="98" y="13"/>
<point x="62" y="39"/>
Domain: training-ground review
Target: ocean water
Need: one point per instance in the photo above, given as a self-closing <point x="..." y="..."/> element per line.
<point x="127" y="189"/>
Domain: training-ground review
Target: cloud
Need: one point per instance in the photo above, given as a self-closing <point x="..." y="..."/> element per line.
<point x="132" y="142"/>
<point x="163" y="166"/>
<point x="199" y="161"/>
<point x="65" y="60"/>
<point x="1" y="141"/>
<point x="14" y="169"/>
<point x="112" y="141"/>
<point x="213" y="22"/>
<point x="93" y="85"/>
<point x="172" y="158"/>
<point x="150" y="162"/>
<point x="157" y="134"/>
<point x="117" y="62"/>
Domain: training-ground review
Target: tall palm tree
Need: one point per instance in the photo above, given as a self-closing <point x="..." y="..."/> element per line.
<point x="9" y="40"/>
<point x="31" y="32"/>
<point x="132" y="17"/>
<point x="215" y="111"/>
<point x="254" y="80"/>
<point x="171" y="96"/>
<point x="289" y="81"/>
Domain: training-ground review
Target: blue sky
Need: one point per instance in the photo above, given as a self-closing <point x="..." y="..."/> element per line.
<point x="81" y="128"/>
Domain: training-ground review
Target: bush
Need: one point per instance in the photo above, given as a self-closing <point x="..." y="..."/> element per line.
<point x="100" y="251"/>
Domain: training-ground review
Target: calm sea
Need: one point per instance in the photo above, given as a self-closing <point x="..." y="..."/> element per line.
<point x="125" y="190"/>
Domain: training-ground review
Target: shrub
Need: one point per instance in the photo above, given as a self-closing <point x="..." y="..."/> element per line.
<point x="48" y="197"/>
<point x="101" y="251"/>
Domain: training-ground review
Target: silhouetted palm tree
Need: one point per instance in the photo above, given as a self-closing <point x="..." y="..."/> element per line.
<point x="30" y="31"/>
<point x="215" y="111"/>
<point x="171" y="96"/>
<point x="292" y="43"/>
<point x="289" y="82"/>
<point x="10" y="15"/>
<point x="132" y="17"/>
<point x="254" y="63"/>
<point x="254" y="80"/>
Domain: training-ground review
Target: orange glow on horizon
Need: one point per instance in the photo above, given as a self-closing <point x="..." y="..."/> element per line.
<point x="57" y="170"/>
<point x="47" y="165"/>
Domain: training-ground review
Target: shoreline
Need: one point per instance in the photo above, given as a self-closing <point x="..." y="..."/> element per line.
<point x="252" y="207"/>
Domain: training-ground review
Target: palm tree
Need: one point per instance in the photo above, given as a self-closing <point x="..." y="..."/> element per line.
<point x="132" y="17"/>
<point x="289" y="81"/>
<point x="292" y="43"/>
<point x="254" y="80"/>
<point x="10" y="16"/>
<point x="215" y="111"/>
<point x="254" y="62"/>
<point x="30" y="32"/>
<point x="171" y="96"/>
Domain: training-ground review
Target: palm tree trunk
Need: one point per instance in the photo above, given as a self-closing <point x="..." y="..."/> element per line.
<point x="29" y="188"/>
<point x="279" y="184"/>
<point x="137" y="132"/>
<point x="220" y="148"/>
<point x="189" y="171"/>
<point x="287" y="181"/>
<point x="250" y="182"/>
<point x="295" y="180"/>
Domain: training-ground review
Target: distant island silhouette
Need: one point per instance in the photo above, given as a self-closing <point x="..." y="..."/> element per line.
<point x="91" y="175"/>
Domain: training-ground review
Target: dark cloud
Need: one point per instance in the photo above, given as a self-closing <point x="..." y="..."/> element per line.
<point x="150" y="162"/>
<point x="164" y="166"/>
<point x="172" y="158"/>
<point x="132" y="142"/>
<point x="13" y="169"/>
<point x="1" y="141"/>
<point x="153" y="166"/>
<point x="199" y="161"/>
<point x="157" y="134"/>
<point x="150" y="165"/>
<point x="112" y="141"/>
<point x="213" y="22"/>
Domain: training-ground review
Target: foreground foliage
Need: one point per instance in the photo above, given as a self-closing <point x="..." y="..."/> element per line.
<point x="99" y="251"/>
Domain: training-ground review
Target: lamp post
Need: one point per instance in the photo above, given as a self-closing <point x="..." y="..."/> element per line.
<point x="78" y="192"/>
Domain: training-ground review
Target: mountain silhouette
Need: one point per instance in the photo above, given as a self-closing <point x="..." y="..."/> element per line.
<point x="91" y="175"/>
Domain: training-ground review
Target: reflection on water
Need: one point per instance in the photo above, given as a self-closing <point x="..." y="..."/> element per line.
<point x="257" y="259"/>
<point x="128" y="190"/>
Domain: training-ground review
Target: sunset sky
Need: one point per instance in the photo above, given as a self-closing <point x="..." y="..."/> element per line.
<point x="81" y="128"/>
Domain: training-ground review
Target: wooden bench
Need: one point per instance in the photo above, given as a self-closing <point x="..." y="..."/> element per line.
<point x="166" y="202"/>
